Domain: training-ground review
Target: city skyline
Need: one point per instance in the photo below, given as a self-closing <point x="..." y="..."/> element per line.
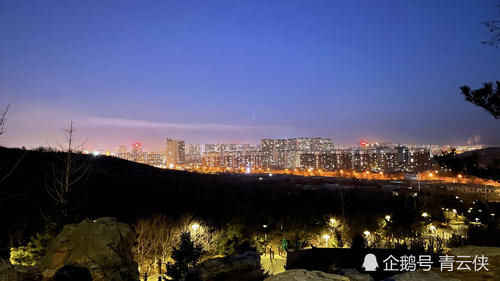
<point x="126" y="72"/>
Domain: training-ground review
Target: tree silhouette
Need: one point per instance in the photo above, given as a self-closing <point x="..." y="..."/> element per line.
<point x="6" y="168"/>
<point x="487" y="97"/>
<point x="3" y="120"/>
<point x="493" y="28"/>
<point x="72" y="168"/>
<point x="186" y="256"/>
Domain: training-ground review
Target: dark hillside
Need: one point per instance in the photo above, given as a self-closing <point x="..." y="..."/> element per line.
<point x="127" y="190"/>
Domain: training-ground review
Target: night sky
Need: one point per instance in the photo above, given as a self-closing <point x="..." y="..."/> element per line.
<point x="238" y="71"/>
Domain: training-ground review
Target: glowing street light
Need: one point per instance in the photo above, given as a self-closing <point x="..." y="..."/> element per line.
<point x="425" y="214"/>
<point x="387" y="218"/>
<point x="326" y="237"/>
<point x="332" y="221"/>
<point x="195" y="227"/>
<point x="366" y="233"/>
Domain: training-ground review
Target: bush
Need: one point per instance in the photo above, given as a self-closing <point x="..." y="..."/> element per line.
<point x="359" y="242"/>
<point x="32" y="253"/>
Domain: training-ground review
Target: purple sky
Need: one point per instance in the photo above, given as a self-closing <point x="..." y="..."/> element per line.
<point x="220" y="71"/>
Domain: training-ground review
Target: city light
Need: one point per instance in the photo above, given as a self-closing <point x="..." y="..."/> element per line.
<point x="326" y="237"/>
<point x="195" y="227"/>
<point x="425" y="214"/>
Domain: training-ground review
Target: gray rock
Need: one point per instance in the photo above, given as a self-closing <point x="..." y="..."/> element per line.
<point x="305" y="275"/>
<point x="355" y="275"/>
<point x="475" y="250"/>
<point x="73" y="273"/>
<point x="19" y="273"/>
<point x="419" y="276"/>
<point x="245" y="267"/>
<point x="104" y="246"/>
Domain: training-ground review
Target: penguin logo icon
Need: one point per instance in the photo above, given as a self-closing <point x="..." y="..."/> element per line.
<point x="370" y="263"/>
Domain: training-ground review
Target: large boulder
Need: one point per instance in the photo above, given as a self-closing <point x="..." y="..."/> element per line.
<point x="103" y="246"/>
<point x="73" y="273"/>
<point x="354" y="275"/>
<point x="490" y="252"/>
<point x="244" y="267"/>
<point x="420" y="276"/>
<point x="9" y="272"/>
<point x="305" y="275"/>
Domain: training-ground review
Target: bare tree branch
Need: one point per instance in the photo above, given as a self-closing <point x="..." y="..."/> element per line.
<point x="72" y="169"/>
<point x="3" y="120"/>
<point x="494" y="29"/>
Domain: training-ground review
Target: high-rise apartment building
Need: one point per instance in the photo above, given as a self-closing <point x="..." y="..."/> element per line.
<point x="175" y="152"/>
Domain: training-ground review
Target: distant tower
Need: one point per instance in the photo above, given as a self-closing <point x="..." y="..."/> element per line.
<point x="175" y="152"/>
<point x="136" y="148"/>
<point x="121" y="149"/>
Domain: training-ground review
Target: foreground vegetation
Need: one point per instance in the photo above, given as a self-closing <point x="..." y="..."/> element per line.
<point x="228" y="214"/>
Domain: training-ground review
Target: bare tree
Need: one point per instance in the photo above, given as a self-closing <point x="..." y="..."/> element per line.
<point x="3" y="120"/>
<point x="145" y="246"/>
<point x="493" y="28"/>
<point x="71" y="169"/>
<point x="6" y="168"/>
<point x="156" y="237"/>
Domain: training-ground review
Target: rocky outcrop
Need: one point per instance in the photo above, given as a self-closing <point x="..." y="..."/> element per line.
<point x="305" y="275"/>
<point x="73" y="273"/>
<point x="19" y="273"/>
<point x="476" y="250"/>
<point x="354" y="275"/>
<point x="419" y="276"/>
<point x="245" y="267"/>
<point x="103" y="246"/>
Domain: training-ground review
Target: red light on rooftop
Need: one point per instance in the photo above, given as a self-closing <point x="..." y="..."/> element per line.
<point x="363" y="143"/>
<point x="137" y="144"/>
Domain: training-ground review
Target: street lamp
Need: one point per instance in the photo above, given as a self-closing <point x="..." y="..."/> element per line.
<point x="425" y="214"/>
<point x="387" y="218"/>
<point x="366" y="233"/>
<point x="195" y="227"/>
<point x="326" y="237"/>
<point x="265" y="233"/>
